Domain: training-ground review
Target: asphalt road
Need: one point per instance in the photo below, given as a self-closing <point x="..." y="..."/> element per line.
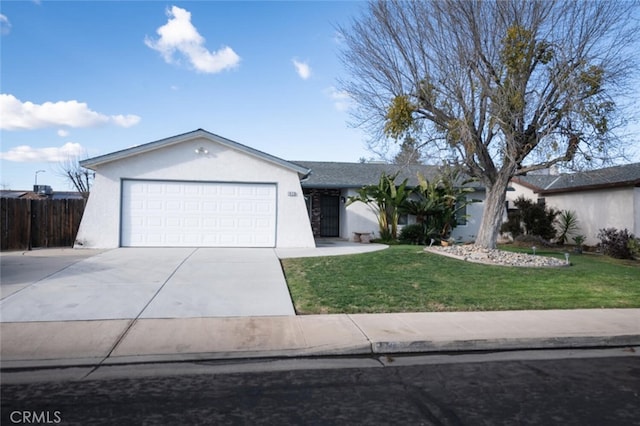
<point x="471" y="391"/>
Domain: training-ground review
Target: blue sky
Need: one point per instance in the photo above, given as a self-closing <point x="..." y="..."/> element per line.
<point x="88" y="78"/>
<point x="85" y="78"/>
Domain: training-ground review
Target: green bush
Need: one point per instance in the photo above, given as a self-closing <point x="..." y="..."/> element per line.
<point x="513" y="224"/>
<point x="412" y="234"/>
<point x="618" y="243"/>
<point x="531" y="218"/>
<point x="634" y="247"/>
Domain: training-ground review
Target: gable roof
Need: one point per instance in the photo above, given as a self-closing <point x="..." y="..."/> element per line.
<point x="93" y="163"/>
<point x="356" y="175"/>
<point x="609" y="177"/>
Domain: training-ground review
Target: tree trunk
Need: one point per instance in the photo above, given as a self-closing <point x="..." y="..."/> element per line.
<point x="494" y="208"/>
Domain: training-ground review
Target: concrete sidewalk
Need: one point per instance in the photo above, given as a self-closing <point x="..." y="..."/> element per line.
<point x="95" y="343"/>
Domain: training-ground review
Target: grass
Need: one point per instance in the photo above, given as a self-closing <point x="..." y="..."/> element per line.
<point x="406" y="279"/>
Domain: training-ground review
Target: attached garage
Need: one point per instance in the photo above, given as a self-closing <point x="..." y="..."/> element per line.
<point x="194" y="190"/>
<point x="198" y="214"/>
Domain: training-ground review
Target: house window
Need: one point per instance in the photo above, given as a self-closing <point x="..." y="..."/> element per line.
<point x="461" y="214"/>
<point x="403" y="219"/>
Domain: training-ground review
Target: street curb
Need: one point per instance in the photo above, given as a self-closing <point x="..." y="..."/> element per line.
<point x="376" y="348"/>
<point x="570" y="342"/>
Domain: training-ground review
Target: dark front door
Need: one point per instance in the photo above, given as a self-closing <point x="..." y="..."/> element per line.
<point x="329" y="216"/>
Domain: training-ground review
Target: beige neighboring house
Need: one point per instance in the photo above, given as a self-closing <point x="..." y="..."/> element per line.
<point x="603" y="198"/>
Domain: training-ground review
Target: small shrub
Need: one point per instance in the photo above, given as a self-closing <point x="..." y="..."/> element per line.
<point x="617" y="243"/>
<point x="512" y="225"/>
<point x="530" y="218"/>
<point x="531" y="240"/>
<point x="567" y="225"/>
<point x="386" y="235"/>
<point x="412" y="234"/>
<point x="386" y="242"/>
<point x="634" y="247"/>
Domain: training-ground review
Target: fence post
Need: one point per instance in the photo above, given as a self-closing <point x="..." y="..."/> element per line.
<point x="29" y="223"/>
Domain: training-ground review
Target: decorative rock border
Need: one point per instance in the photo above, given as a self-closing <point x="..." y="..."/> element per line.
<point x="476" y="254"/>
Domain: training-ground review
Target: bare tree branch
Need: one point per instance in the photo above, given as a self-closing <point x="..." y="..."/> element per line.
<point x="509" y="86"/>
<point x="77" y="176"/>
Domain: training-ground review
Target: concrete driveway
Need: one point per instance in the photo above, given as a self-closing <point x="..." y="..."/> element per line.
<point x="131" y="283"/>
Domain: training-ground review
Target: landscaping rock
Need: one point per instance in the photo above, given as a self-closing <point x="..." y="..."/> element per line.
<point x="476" y="254"/>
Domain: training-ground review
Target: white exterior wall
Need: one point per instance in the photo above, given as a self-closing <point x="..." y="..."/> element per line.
<point x="359" y="217"/>
<point x="100" y="226"/>
<point x="520" y="190"/>
<point x="469" y="232"/>
<point x="606" y="208"/>
<point x="636" y="212"/>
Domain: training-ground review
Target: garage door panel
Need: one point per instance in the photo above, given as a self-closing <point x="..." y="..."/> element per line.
<point x="196" y="214"/>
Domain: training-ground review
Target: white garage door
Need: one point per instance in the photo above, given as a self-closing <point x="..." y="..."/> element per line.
<point x="197" y="214"/>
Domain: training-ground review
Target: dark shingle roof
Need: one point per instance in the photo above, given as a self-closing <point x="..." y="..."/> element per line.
<point x="609" y="177"/>
<point x="356" y="175"/>
<point x="536" y="181"/>
<point x="58" y="195"/>
<point x="12" y="194"/>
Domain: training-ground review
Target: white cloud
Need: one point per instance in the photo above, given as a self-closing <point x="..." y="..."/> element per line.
<point x="302" y="68"/>
<point x="5" y="25"/>
<point x="179" y="36"/>
<point x="341" y="99"/>
<point x="18" y="115"/>
<point x="124" y="120"/>
<point x="28" y="154"/>
<point x="63" y="133"/>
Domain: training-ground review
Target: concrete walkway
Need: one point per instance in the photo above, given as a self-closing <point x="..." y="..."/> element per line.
<point x="329" y="247"/>
<point x="95" y="343"/>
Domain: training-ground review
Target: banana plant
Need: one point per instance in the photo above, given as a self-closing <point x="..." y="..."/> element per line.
<point x="385" y="199"/>
<point x="437" y="203"/>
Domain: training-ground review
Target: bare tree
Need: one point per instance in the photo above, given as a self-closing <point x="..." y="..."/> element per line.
<point x="78" y="177"/>
<point x="409" y="152"/>
<point x="501" y="87"/>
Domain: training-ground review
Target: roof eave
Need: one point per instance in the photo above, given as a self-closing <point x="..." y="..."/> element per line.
<point x="93" y="163"/>
<point x="628" y="183"/>
<point x="525" y="184"/>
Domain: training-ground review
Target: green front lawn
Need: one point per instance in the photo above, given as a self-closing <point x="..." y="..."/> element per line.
<point x="406" y="279"/>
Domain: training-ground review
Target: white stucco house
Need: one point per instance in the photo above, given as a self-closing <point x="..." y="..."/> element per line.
<point x="195" y="189"/>
<point x="602" y="198"/>
<point x="330" y="184"/>
<point x="199" y="189"/>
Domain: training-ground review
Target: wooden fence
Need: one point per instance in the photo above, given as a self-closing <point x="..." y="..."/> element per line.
<point x="31" y="223"/>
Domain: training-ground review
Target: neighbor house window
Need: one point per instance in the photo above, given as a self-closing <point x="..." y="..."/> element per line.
<point x="403" y="219"/>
